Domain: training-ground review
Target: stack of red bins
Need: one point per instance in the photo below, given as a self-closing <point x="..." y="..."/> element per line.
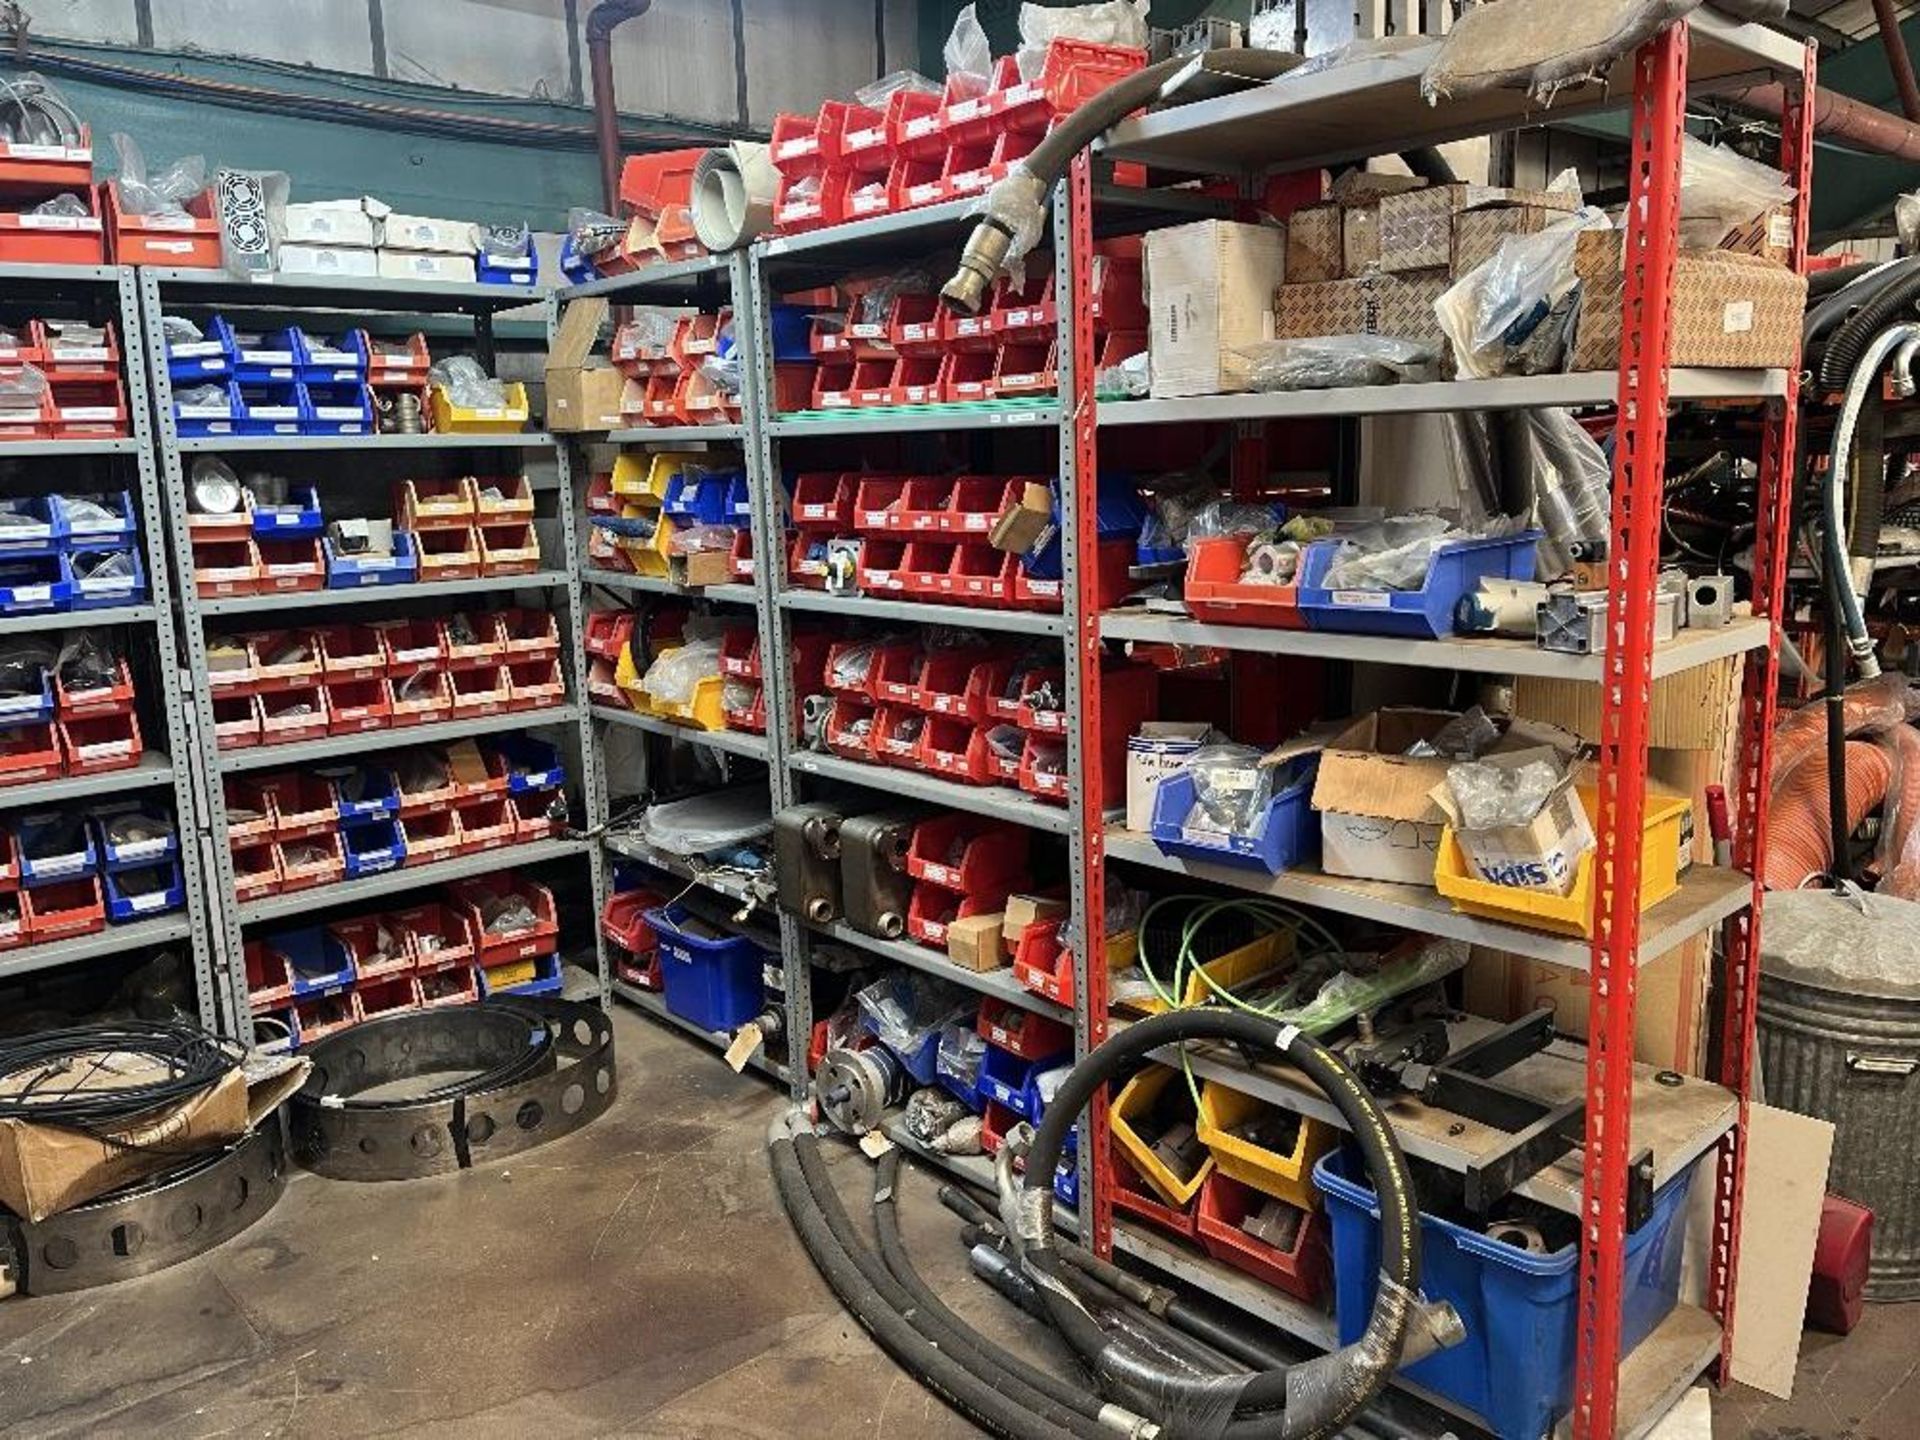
<point x="962" y="865"/>
<point x="909" y="147"/>
<point x="34" y="176"/>
<point x="661" y="355"/>
<point x="743" y="695"/>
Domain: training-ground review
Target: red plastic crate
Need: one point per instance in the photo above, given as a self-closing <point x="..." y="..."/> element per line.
<point x="847" y="712"/>
<point x="933" y="908"/>
<point x="269" y="986"/>
<point x="965" y="376"/>
<point x="324" y="1015"/>
<point x="291" y="566"/>
<point x="1132" y="1196"/>
<point x="63" y="910"/>
<point x="968" y="853"/>
<point x="876" y="503"/>
<point x="290" y="715"/>
<point x="1215" y="594"/>
<point x="482" y="691"/>
<point x="225" y="567"/>
<point x="244" y="797"/>
<point x="1042" y="964"/>
<point x="285" y="660"/>
<point x="426" y="801"/>
<point x="809" y="202"/>
<point x="879" y="570"/>
<point x="29" y="753"/>
<point x="924" y="568"/>
<point x="833" y="385"/>
<point x="452" y="554"/>
<point x="955" y="750"/>
<point x="101" y="743"/>
<point x="623" y="920"/>
<point x="1302" y="1271"/>
<point x="388" y="997"/>
<point x="740" y="652"/>
<point x="307" y="864"/>
<point x="924" y="505"/>
<point x="435" y="503"/>
<point x="486" y="824"/>
<point x="1025" y="368"/>
<point x="742" y="557"/>
<point x="995" y="1121"/>
<point x="412" y="645"/>
<point x="28" y="239"/>
<point x="824" y="500"/>
<point x="1031" y="716"/>
<point x="531" y="818"/>
<point x="1003" y="760"/>
<point x="804" y="144"/>
<point x="980" y="575"/>
<point x="113" y="698"/>
<point x="301" y="802"/>
<point x="1043" y="768"/>
<point x="603" y="686"/>
<point x="976" y="502"/>
<point x="916" y="381"/>
<point x="431" y="835"/>
<point x="476" y="899"/>
<point x="437" y="936"/>
<point x="827" y="337"/>
<point x="485" y="648"/>
<point x="1113" y="580"/>
<point x="423" y="698"/>
<point x="915" y="180"/>
<point x="960" y="682"/>
<point x="536" y="684"/>
<point x="9" y="862"/>
<point x="88" y="409"/>
<point x="913" y="328"/>
<point x="357" y="706"/>
<point x="807" y="560"/>
<point x="608" y="633"/>
<point x="1006" y="1026"/>
<point x="502" y="500"/>
<point x="236" y="721"/>
<point x="896" y="736"/>
<point x="873" y="381"/>
<point x="360" y="939"/>
<point x="402" y="367"/>
<point x="894" y="677"/>
<point x="509" y="549"/>
<point x="351" y="652"/>
<point x="1073" y="72"/>
<point x="449" y="987"/>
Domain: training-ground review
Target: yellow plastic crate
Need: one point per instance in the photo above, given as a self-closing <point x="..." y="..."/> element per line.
<point x="643" y="477"/>
<point x="1236" y="967"/>
<point x="1286" y="1177"/>
<point x="1137" y="1097"/>
<point x="652" y="558"/>
<point x="507" y="419"/>
<point x="1666" y="837"/>
<point x="707" y="711"/>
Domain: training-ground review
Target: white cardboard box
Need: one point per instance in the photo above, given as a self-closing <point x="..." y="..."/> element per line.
<point x="1210" y="292"/>
<point x="1378" y="820"/>
<point x="418" y="265"/>
<point x="335" y="222"/>
<point x="344" y="260"/>
<point x="424" y="232"/>
<point x="1158" y="749"/>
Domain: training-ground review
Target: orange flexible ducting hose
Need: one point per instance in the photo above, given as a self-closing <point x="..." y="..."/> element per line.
<point x="1799" y="838"/>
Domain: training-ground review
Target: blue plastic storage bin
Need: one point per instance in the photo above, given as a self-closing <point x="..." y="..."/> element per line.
<point x="578" y="268"/>
<point x="29" y="707"/>
<point x="493" y="270"/>
<point x="696" y="497"/>
<point x="270" y="357"/>
<point x="377" y="789"/>
<point x="196" y="362"/>
<point x="216" y="415"/>
<point x="28" y="586"/>
<point x="372" y="847"/>
<point x="268" y="409"/>
<point x="1005" y="1077"/>
<point x="300" y="519"/>
<point x="82" y="530"/>
<point x="1426" y="613"/>
<point x="134" y="854"/>
<point x="85" y="587"/>
<point x="1288" y="836"/>
<point x="1120" y="514"/>
<point x="715" y="984"/>
<point x="1515" y="1368"/>
<point x="1066" y="1184"/>
<point x="34" y="529"/>
<point x="145" y="892"/>
<point x="47" y="858"/>
<point x="530" y="764"/>
<point x="355" y="572"/>
<point x="326" y="361"/>
<point x="337" y="409"/>
<point x="316" y="962"/>
<point x="740" y="501"/>
<point x="792" y="334"/>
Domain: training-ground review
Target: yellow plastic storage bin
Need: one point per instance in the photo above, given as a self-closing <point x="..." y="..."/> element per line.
<point x="643" y="477"/>
<point x="1256" y="958"/>
<point x="1287" y="1177"/>
<point x="651" y="558"/>
<point x="1136" y="1098"/>
<point x="507" y="419"/>
<point x="706" y="712"/>
<point x="1666" y="847"/>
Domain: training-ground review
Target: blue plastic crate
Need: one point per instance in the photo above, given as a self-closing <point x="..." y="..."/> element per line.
<point x="299" y="519"/>
<point x="1004" y="1078"/>
<point x="327" y="361"/>
<point x="378" y="789"/>
<point x="355" y="572"/>
<point x="142" y="893"/>
<point x="578" y="268"/>
<point x="1426" y="613"/>
<point x="792" y="327"/>
<point x="493" y="270"/>
<point x="1036" y="1110"/>
<point x="530" y="764"/>
<point x="85" y="589"/>
<point x="1120" y="514"/>
<point x="316" y="962"/>
<point x="34" y="530"/>
<point x="81" y="530"/>
<point x="47" y="858"/>
<point x="134" y="854"/>
<point x="29" y="708"/>
<point x="196" y="362"/>
<point x="547" y="980"/>
<point x="714" y="984"/>
<point x="337" y="409"/>
<point x="1515" y="1368"/>
<point x="1289" y="833"/>
<point x="740" y="501"/>
<point x="30" y="586"/>
<point x="267" y="357"/>
<point x="373" y="847"/>
<point x="270" y="408"/>
<point x="696" y="497"/>
<point x="216" y="415"/>
<point x="1066" y="1184"/>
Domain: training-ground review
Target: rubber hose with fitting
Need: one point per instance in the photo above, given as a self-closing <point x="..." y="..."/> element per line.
<point x="1893" y="303"/>
<point x="1834" y="540"/>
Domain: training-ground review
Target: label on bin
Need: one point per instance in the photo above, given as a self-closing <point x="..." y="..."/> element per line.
<point x="1364" y="599"/>
<point x="147" y="902"/>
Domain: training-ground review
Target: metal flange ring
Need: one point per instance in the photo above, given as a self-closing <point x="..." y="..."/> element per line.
<point x="148" y="1227"/>
<point x="561" y="1076"/>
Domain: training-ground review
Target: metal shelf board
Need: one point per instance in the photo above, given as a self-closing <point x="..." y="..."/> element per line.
<point x="738" y="742"/>
<point x="1487" y="655"/>
<point x="674" y="434"/>
<point x="653" y="1005"/>
<point x="904" y="421"/>
<point x="280" y="444"/>
<point x="78" y="619"/>
<point x="60" y="274"/>
<point x="1707" y="896"/>
<point x="1664" y="1366"/>
<point x="1238" y="1289"/>
<point x="291" y="292"/>
<point x="998" y="983"/>
<point x="680" y="278"/>
<point x="337" y="747"/>
<point x="153" y="771"/>
<point x="1514" y="392"/>
<point x="1679" y="1123"/>
<point x="653" y="585"/>
<point x="382" y="594"/>
<point x="994" y="801"/>
<point x="43" y="449"/>
<point x="884" y="237"/>
<point x="114" y="940"/>
<point x="721" y="881"/>
<point x="408" y="877"/>
<point x="867" y="607"/>
<point x="1374" y="107"/>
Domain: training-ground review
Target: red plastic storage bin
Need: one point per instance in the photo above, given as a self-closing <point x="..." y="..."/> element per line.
<point x="916" y="381"/>
<point x="290" y="715"/>
<point x="302" y="802"/>
<point x="431" y="835"/>
<point x="1043" y="768"/>
<point x="968" y="853"/>
<point x="357" y="706"/>
<point x="437" y="936"/>
<point x="955" y="750"/>
<point x="1216" y="594"/>
<point x="486" y="824"/>
<point x="824" y="500"/>
<point x="608" y="633"/>
<point x="236" y="721"/>
<point x="351" y="652"/>
<point x="933" y="908"/>
<point x="62" y="910"/>
<point x="100" y="744"/>
<point x="269" y="986"/>
<point x="897" y="733"/>
<point x="457" y="986"/>
<point x="483" y="897"/>
<point x="376" y="950"/>
<point x="876" y="503"/>
<point x="423" y="698"/>
<point x="305" y="864"/>
<point x="1132" y="1196"/>
<point x="894" y="678"/>
<point x="285" y="660"/>
<point x="981" y="575"/>
<point x="965" y="376"/>
<point x="29" y="753"/>
<point x="536" y="684"/>
<point x="879" y="570"/>
<point x="482" y="691"/>
<point x="925" y="569"/>
<point x="962" y="682"/>
<point x="1020" y="1032"/>
<point x="850" y="727"/>
<point x="1302" y="1271"/>
<point x="1042" y="964"/>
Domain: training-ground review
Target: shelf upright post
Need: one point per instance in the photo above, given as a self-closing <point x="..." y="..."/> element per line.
<point x="753" y="337"/>
<point x="1651" y="239"/>
<point x="1086" y="781"/>
<point x="210" y="965"/>
<point x="1740" y="939"/>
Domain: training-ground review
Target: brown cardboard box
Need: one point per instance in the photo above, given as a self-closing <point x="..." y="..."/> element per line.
<point x="974" y="942"/>
<point x="1360" y="239"/>
<point x="1692" y="710"/>
<point x="1025" y="910"/>
<point x="1369" y="187"/>
<point x="1209" y="293"/>
<point x="1377" y="816"/>
<point x="1416" y="228"/>
<point x="580" y="394"/>
<point x="1477" y="233"/>
<point x="1400" y="305"/>
<point x="703" y="567"/>
<point x="1729" y="309"/>
<point x="1314" y="243"/>
<point x="1770" y="236"/>
<point x="1542" y="854"/>
<point x="1024" y="524"/>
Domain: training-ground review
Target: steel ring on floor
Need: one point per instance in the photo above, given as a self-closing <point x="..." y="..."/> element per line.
<point x="148" y="1227"/>
<point x="515" y="1074"/>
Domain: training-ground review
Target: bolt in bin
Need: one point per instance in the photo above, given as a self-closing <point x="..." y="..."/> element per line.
<point x="1515" y="1368"/>
<point x="1300" y="1269"/>
<point x="1424" y="614"/>
<point x="707" y="977"/>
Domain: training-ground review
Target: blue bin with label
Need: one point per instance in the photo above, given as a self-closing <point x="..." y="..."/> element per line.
<point x="714" y="983"/>
<point x="1423" y="614"/>
<point x="1288" y="833"/>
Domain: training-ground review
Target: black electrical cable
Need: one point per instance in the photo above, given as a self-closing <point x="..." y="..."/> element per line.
<point x="58" y="1077"/>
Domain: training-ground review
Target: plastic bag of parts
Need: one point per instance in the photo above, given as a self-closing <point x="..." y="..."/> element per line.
<point x="1491" y="797"/>
<point x="1218" y="518"/>
<point x="672" y="678"/>
<point x="1117" y="22"/>
<point x="722" y="371"/>
<point x="467" y="384"/>
<point x="1320" y="999"/>
<point x="1542" y="46"/>
<point x="1230" y="789"/>
<point x="1572" y="483"/>
<point x="1467" y="736"/>
<point x="1326" y="362"/>
<point x="647" y="333"/>
<point x="961" y="1051"/>
<point x="92" y="511"/>
<point x="164" y="193"/>
<point x="713" y="820"/>
<point x="1393" y="554"/>
<point x="703" y="539"/>
<point x="1494" y="309"/>
<point x="874" y="305"/>
<point x="904" y="1008"/>
<point x="22" y="387"/>
<point x="1129" y="380"/>
<point x="506" y="242"/>
<point x="1721" y="190"/>
<point x="876" y="95"/>
<point x="104" y="565"/>
<point x="1271" y="562"/>
<point x="593" y="232"/>
<point x="89" y="661"/>
<point x="23" y="667"/>
<point x="967" y="51"/>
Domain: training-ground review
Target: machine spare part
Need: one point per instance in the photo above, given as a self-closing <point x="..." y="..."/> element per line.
<point x="1575" y="622"/>
<point x="806" y="861"/>
<point x="175" y="1216"/>
<point x="874" y="885"/>
<point x="1709" y="602"/>
<point x="856" y="1088"/>
<point x="528" y="1071"/>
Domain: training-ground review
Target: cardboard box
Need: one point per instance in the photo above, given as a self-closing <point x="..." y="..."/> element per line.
<point x="1400" y="305"/>
<point x="582" y="394"/>
<point x="1314" y="243"/>
<point x="424" y="232"/>
<point x="974" y="943"/>
<point x="1155" y="751"/>
<point x="1209" y="293"/>
<point x="1543" y="854"/>
<point x="352" y="223"/>
<point x="703" y="567"/>
<point x="46" y="1169"/>
<point x="1027" y="524"/>
<point x="1023" y="911"/>
<point x="1477" y="234"/>
<point x="1416" y="228"/>
<point x="341" y="260"/>
<point x="1729" y="309"/>
<point x="1692" y="710"/>
<point x="1770" y="236"/>
<point x="1360" y="239"/>
<point x="424" y="265"/>
<point x="1378" y="819"/>
<point x="1369" y="187"/>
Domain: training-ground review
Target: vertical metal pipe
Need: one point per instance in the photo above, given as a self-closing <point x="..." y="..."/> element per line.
<point x="602" y="20"/>
<point x="1898" y="60"/>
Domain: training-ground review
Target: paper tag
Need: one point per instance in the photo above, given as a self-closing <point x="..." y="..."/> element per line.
<point x="31" y="594"/>
<point x="1737" y="318"/>
<point x="1364" y="599"/>
<point x="873" y="1144"/>
<point x="745" y="1042"/>
<point x="1780" y="231"/>
<point x="148" y="902"/>
<point x="80" y="352"/>
<point x="54" y="222"/>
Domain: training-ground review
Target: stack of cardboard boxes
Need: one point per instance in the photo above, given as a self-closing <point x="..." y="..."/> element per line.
<point x="365" y="239"/>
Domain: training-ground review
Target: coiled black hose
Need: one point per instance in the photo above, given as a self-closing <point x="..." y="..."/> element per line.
<point x="57" y="1077"/>
<point x="1892" y="301"/>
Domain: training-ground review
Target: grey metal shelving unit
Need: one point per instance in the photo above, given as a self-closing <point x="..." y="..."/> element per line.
<point x="112" y="292"/>
<point x="362" y="461"/>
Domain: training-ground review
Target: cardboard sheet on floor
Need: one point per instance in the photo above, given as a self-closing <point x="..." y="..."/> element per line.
<point x="1787" y="1159"/>
<point x="1691" y="1418"/>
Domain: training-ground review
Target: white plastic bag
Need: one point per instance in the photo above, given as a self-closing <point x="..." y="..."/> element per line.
<point x="1495" y="307"/>
<point x="164" y="193"/>
<point x="1116" y="22"/>
<point x="967" y="51"/>
<point x="1328" y="361"/>
<point x="671" y="679"/>
<point x="1721" y="190"/>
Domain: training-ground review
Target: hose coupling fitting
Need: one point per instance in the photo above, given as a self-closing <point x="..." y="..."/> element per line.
<point x="980" y="265"/>
<point x="1434" y="1325"/>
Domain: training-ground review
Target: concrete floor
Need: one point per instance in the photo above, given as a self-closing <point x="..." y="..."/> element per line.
<point x="636" y="1279"/>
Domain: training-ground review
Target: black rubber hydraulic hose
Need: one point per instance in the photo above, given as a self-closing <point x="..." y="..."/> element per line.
<point x="1320" y="1396"/>
<point x="1893" y="302"/>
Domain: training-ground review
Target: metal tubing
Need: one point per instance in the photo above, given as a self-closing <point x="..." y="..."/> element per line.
<point x="601" y="23"/>
<point x="1838" y="118"/>
<point x="1899" y="62"/>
